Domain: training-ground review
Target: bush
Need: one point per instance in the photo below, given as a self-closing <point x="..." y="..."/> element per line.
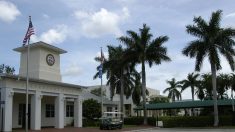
<point x="139" y="121"/>
<point x="194" y="121"/>
<point x="133" y="120"/>
<point x="90" y="123"/>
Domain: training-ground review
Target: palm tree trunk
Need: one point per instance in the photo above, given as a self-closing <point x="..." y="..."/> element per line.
<point x="193" y="110"/>
<point x="144" y="91"/>
<point x="121" y="96"/>
<point x="216" y="114"/>
<point x="232" y="99"/>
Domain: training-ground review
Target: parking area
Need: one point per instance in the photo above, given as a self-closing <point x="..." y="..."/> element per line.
<point x="136" y="129"/>
<point x="88" y="129"/>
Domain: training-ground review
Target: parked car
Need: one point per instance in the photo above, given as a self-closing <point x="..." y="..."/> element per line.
<point x="111" y="122"/>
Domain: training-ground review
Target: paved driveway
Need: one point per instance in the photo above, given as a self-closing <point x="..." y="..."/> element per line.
<point x="133" y="129"/>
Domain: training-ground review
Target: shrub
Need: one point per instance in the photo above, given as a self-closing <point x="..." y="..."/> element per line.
<point x="194" y="121"/>
<point x="90" y="123"/>
<point x="139" y="121"/>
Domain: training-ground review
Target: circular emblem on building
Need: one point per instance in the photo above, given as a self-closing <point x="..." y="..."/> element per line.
<point x="50" y="59"/>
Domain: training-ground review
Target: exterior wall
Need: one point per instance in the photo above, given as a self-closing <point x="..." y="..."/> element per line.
<point x="48" y="91"/>
<point x="38" y="67"/>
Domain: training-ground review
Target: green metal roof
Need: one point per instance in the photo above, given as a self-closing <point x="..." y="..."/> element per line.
<point x="185" y="104"/>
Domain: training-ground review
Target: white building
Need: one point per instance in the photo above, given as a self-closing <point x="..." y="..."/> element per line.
<point x="128" y="103"/>
<point x="52" y="103"/>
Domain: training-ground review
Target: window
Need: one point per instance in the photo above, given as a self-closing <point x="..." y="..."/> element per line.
<point x="50" y="110"/>
<point x="109" y="109"/>
<point x="116" y="110"/>
<point x="69" y="110"/>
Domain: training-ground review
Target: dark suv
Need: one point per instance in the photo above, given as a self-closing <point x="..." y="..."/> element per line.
<point x="110" y="123"/>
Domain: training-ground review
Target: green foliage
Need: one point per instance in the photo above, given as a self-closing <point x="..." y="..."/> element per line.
<point x="139" y="121"/>
<point x="174" y="93"/>
<point x="91" y="109"/>
<point x="194" y="121"/>
<point x="159" y="99"/>
<point x="90" y="123"/>
<point x="7" y="69"/>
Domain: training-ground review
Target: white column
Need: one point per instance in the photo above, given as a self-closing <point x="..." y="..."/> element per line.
<point x="59" y="111"/>
<point x="36" y="111"/>
<point x="78" y="112"/>
<point x="7" y="96"/>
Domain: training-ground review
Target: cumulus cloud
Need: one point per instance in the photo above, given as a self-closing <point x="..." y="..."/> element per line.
<point x="72" y="70"/>
<point x="100" y="23"/>
<point x="53" y="36"/>
<point x="8" y="11"/>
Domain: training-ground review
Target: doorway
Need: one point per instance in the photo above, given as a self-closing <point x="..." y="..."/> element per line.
<point x="22" y="114"/>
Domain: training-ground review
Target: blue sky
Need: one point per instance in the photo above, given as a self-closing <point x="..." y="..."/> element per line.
<point x="81" y="27"/>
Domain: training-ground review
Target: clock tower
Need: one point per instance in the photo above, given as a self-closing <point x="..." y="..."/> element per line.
<point x="44" y="61"/>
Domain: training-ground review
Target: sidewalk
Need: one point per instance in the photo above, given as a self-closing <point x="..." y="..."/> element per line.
<point x="87" y="129"/>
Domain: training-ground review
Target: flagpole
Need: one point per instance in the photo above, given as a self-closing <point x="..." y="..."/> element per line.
<point x="27" y="90"/>
<point x="101" y="83"/>
<point x="27" y="86"/>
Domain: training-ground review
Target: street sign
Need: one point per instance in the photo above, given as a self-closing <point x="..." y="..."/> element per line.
<point x="2" y="102"/>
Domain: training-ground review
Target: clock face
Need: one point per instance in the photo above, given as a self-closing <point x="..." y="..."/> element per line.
<point x="50" y="59"/>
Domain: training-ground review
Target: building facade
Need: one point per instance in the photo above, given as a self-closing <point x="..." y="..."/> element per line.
<point x="128" y="103"/>
<point x="52" y="103"/>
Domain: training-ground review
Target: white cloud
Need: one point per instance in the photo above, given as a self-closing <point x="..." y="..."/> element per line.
<point x="45" y="16"/>
<point x="102" y="22"/>
<point x="8" y="11"/>
<point x="72" y="70"/>
<point x="231" y="15"/>
<point x="53" y="36"/>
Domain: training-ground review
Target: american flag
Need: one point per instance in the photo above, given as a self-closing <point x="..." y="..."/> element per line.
<point x="29" y="32"/>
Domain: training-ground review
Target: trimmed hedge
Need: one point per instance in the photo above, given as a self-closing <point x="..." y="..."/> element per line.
<point x="182" y="121"/>
<point x="139" y="121"/>
<point x="195" y="121"/>
<point x="90" y="123"/>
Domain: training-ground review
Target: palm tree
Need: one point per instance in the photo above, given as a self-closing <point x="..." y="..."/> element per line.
<point x="211" y="40"/>
<point x="191" y="82"/>
<point x="142" y="49"/>
<point x="173" y="92"/>
<point x="223" y="85"/>
<point x="232" y="81"/>
<point x="118" y="73"/>
<point x="200" y="92"/>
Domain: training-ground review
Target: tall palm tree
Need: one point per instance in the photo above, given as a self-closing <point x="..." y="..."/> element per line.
<point x="232" y="81"/>
<point x="211" y="40"/>
<point x="142" y="49"/>
<point x="191" y="82"/>
<point x="173" y="92"/>
<point x="118" y="73"/>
